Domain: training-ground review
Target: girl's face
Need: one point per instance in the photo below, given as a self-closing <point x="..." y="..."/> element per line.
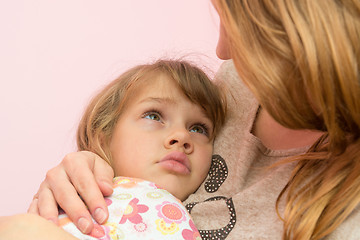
<point x="222" y="48"/>
<point x="163" y="137"/>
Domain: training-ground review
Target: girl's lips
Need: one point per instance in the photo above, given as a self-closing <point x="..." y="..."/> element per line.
<point x="176" y="162"/>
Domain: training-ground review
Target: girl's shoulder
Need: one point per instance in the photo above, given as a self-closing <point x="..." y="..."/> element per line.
<point x="148" y="211"/>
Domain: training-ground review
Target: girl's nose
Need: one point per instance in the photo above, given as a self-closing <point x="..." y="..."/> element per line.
<point x="181" y="140"/>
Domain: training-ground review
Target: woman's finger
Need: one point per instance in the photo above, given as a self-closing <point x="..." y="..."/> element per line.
<point x="46" y="204"/>
<point x="33" y="208"/>
<point x="104" y="175"/>
<point x="92" y="178"/>
<point x="66" y="196"/>
<point x="79" y="173"/>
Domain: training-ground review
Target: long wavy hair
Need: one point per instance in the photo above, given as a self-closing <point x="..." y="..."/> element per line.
<point x="301" y="60"/>
<point x="97" y="125"/>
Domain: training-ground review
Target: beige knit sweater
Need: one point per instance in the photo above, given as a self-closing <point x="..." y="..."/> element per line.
<point x="237" y="200"/>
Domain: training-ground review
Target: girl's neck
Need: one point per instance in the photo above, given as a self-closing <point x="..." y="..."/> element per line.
<point x="277" y="137"/>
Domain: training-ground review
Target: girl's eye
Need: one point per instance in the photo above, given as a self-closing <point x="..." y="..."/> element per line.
<point x="152" y="116"/>
<point x="199" y="128"/>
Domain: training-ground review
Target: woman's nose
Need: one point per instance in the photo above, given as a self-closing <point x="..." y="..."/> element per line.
<point x="181" y="140"/>
<point x="223" y="46"/>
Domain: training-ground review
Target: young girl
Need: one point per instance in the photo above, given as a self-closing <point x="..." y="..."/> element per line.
<point x="155" y="125"/>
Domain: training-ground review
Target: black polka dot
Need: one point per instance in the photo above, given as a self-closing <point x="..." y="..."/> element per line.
<point x="223" y="232"/>
<point x="217" y="174"/>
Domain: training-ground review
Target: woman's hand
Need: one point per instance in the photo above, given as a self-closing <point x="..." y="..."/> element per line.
<point x="30" y="226"/>
<point x="80" y="173"/>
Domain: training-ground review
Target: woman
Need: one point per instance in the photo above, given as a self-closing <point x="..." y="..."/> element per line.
<point x="294" y="151"/>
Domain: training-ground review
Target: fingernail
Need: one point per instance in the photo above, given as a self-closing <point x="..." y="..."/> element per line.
<point x="83" y="225"/>
<point x="108" y="185"/>
<point x="99" y="215"/>
<point x="52" y="220"/>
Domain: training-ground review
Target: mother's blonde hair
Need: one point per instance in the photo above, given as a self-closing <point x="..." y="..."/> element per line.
<point x="101" y="115"/>
<point x="301" y="59"/>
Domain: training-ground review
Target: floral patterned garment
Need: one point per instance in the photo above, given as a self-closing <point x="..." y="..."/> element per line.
<point x="139" y="209"/>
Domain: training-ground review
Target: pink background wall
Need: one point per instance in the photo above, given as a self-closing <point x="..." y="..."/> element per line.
<point x="55" y="54"/>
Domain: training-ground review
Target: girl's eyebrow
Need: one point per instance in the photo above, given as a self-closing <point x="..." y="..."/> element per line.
<point x="163" y="100"/>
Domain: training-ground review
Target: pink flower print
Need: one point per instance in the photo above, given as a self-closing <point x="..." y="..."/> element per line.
<point x="132" y="212"/>
<point x="171" y="212"/>
<point x="154" y="185"/>
<point x="113" y="233"/>
<point x="140" y="227"/>
<point x="126" y="182"/>
<point x="108" y="201"/>
<point x="192" y="234"/>
<point x="100" y="232"/>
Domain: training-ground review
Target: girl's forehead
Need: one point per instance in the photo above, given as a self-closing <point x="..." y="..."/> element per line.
<point x="159" y="85"/>
<point x="155" y="85"/>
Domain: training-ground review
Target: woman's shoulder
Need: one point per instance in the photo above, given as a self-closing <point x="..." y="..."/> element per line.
<point x="227" y="76"/>
<point x="242" y="105"/>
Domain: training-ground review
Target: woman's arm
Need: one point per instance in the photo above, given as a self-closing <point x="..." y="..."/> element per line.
<point x="30" y="226"/>
<point x="82" y="173"/>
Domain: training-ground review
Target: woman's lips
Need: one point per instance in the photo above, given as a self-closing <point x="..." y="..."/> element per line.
<point x="176" y="162"/>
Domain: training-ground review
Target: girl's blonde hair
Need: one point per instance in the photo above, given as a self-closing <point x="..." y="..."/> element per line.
<point x="301" y="60"/>
<point x="97" y="124"/>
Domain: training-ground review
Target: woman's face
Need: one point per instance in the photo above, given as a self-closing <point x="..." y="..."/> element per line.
<point x="222" y="49"/>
